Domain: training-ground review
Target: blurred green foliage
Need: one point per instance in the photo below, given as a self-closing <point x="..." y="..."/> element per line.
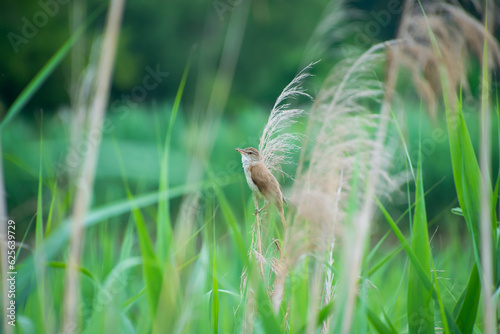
<point x="158" y="33"/>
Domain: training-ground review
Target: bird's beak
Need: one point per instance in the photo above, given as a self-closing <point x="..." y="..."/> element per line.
<point x="240" y="150"/>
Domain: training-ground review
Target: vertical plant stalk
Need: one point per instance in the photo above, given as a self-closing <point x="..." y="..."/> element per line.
<point x="87" y="173"/>
<point x="486" y="230"/>
<point x="281" y="273"/>
<point x="329" y="273"/>
<point x="3" y="247"/>
<point x="368" y="206"/>
<point x="78" y="116"/>
<point x="315" y="294"/>
<point x="77" y="18"/>
<point x="258" y="236"/>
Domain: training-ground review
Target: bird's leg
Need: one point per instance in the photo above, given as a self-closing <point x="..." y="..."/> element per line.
<point x="259" y="210"/>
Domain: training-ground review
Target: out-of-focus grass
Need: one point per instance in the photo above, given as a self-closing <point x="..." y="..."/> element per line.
<point x="114" y="284"/>
<point x="163" y="253"/>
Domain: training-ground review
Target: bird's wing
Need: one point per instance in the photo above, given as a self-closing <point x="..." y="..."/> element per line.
<point x="260" y="176"/>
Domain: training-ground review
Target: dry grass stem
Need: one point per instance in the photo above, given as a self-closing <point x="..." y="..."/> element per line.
<point x="488" y="286"/>
<point x="258" y="237"/>
<point x="276" y="147"/>
<point x="87" y="173"/>
<point x="342" y="151"/>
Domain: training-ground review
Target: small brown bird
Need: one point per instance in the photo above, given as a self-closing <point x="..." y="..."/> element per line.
<point x="261" y="181"/>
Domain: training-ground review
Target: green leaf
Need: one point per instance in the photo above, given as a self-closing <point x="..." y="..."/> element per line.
<point x="457" y="211"/>
<point x="466" y="308"/>
<point x="230" y="219"/>
<point x="163" y="223"/>
<point x="215" y="287"/>
<point x="467" y="178"/>
<point x="420" y="302"/>
<point x="151" y="269"/>
<point x="379" y="326"/>
<point x="81" y="269"/>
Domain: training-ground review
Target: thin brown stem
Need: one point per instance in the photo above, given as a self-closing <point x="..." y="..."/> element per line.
<point x="87" y="173"/>
<point x="368" y="207"/>
<point x="257" y="233"/>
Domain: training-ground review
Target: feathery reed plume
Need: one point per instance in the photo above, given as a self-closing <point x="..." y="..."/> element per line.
<point x="275" y="146"/>
<point x="87" y="172"/>
<point x="457" y="34"/>
<point x="338" y="167"/>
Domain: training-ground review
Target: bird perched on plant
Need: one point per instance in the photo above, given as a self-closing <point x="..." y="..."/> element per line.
<point x="261" y="181"/>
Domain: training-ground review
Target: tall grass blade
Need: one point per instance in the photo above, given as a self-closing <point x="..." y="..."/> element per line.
<point x="465" y="310"/>
<point x="230" y="219"/>
<point x="215" y="287"/>
<point x="467" y="177"/>
<point x="40" y="268"/>
<point x="54" y="242"/>
<point x="269" y="321"/>
<point x="415" y="262"/>
<point x="163" y="222"/>
<point x="378" y="324"/>
<point x="420" y="303"/>
<point x="151" y="270"/>
<point x="88" y="168"/>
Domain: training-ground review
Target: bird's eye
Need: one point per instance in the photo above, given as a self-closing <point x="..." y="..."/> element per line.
<point x="250" y="152"/>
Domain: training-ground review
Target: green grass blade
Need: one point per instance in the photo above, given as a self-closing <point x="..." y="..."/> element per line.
<point x="465" y="310"/>
<point x="413" y="258"/>
<point x="151" y="270"/>
<point x="467" y="177"/>
<point x="444" y="315"/>
<point x="377" y="324"/>
<point x="39" y="206"/>
<point x="415" y="262"/>
<point x="129" y="302"/>
<point x="420" y="304"/>
<point x="59" y="236"/>
<point x="230" y="219"/>
<point x="215" y="286"/>
<point x="299" y="300"/>
<point x="39" y="269"/>
<point x="163" y="223"/>
<point x="82" y="270"/>
<point x="384" y="260"/>
<point x="55" y="192"/>
<point x="265" y="310"/>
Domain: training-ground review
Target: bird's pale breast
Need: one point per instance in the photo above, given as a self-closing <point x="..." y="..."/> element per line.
<point x="250" y="182"/>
